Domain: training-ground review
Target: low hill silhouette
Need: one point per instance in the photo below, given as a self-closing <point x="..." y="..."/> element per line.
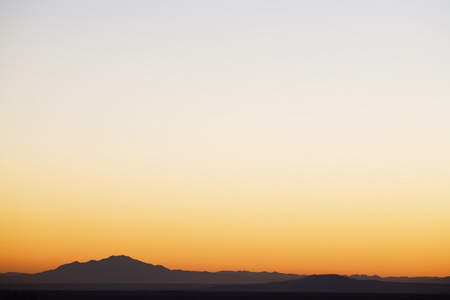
<point x="340" y="284"/>
<point x="443" y="280"/>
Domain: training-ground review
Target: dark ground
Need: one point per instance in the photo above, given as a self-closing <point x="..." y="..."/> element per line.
<point x="175" y="295"/>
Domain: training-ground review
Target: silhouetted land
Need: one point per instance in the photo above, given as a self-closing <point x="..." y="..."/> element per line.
<point x="125" y="270"/>
<point x="340" y="284"/>
<point x="174" y="295"/>
<point x="121" y="277"/>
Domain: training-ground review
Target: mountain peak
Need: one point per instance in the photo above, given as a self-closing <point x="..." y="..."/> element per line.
<point x="120" y="257"/>
<point x="115" y="260"/>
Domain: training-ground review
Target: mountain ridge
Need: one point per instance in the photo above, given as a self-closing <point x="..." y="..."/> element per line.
<point x="123" y="269"/>
<point x="126" y="270"/>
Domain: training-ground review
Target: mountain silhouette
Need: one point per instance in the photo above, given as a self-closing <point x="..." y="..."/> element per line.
<point x="121" y="272"/>
<point x="340" y="284"/>
<point x="443" y="280"/>
<point x="126" y="270"/>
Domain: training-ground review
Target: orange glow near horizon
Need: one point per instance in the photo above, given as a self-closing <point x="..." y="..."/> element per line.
<point x="303" y="237"/>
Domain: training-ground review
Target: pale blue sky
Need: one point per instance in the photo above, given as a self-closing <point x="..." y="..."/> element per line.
<point x="266" y="73"/>
<point x="272" y="75"/>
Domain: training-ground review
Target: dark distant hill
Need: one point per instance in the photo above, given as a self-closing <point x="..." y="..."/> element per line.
<point x="443" y="280"/>
<point x="125" y="270"/>
<point x="340" y="284"/>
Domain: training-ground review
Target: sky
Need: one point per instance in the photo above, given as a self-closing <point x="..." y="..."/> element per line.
<point x="303" y="137"/>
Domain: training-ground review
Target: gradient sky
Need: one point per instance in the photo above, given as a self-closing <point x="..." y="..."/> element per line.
<point x="291" y="136"/>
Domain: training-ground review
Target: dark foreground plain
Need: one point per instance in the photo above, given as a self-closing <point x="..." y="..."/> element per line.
<point x="191" y="295"/>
